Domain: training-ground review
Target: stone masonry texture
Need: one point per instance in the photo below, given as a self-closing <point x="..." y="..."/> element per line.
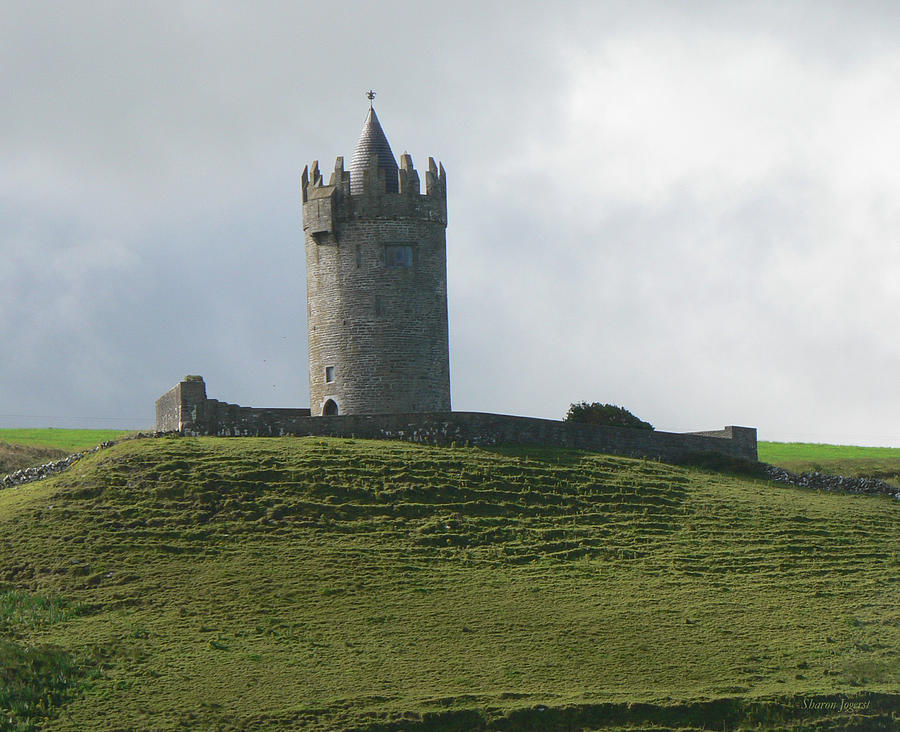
<point x="378" y="335"/>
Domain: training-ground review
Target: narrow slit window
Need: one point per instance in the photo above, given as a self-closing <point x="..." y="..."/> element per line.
<point x="329" y="374"/>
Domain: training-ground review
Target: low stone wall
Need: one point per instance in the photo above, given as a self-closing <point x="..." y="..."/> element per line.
<point x="186" y="409"/>
<point x="39" y="472"/>
<point x="835" y="483"/>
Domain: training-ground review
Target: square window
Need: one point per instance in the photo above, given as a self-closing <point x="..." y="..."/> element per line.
<point x="329" y="374"/>
<point x="398" y="255"/>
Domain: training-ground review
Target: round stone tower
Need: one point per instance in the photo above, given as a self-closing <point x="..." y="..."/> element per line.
<point x="376" y="283"/>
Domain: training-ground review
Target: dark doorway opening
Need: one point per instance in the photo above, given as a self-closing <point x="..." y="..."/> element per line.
<point x="330" y="408"/>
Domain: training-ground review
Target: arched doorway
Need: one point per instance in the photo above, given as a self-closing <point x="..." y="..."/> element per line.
<point x="330" y="408"/>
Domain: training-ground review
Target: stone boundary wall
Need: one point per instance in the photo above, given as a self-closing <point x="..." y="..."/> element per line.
<point x="827" y="482"/>
<point x="186" y="409"/>
<point x="39" y="472"/>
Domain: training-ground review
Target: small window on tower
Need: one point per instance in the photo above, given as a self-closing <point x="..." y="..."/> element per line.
<point x="398" y="255"/>
<point x="329" y="374"/>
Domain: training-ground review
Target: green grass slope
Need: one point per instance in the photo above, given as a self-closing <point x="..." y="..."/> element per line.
<point x="67" y="440"/>
<point x="24" y="448"/>
<point x="868" y="462"/>
<point x="325" y="584"/>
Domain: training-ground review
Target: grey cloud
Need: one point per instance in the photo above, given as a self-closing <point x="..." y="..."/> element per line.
<point x="688" y="209"/>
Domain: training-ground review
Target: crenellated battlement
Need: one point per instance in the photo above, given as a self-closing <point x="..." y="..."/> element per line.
<point x="374" y="180"/>
<point x="342" y="198"/>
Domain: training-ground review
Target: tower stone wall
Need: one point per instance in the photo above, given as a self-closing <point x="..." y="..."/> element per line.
<point x="376" y="274"/>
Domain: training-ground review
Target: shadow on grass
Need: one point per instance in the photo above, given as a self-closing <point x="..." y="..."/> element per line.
<point x="725" y="464"/>
<point x="35" y="680"/>
<point x="538" y="453"/>
<point x="863" y="713"/>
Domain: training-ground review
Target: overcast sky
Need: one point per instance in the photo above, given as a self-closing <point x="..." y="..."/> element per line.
<point x="690" y="209"/>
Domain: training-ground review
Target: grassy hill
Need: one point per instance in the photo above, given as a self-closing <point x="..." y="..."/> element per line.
<point x="869" y="462"/>
<point x="23" y="448"/>
<point x="66" y="440"/>
<point x="322" y="584"/>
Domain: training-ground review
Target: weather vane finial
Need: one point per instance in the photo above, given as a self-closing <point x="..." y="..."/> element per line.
<point x="370" y="95"/>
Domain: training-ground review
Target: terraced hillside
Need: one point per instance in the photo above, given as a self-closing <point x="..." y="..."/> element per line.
<point x="322" y="584"/>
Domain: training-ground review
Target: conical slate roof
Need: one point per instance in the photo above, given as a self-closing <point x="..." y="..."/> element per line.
<point x="372" y="141"/>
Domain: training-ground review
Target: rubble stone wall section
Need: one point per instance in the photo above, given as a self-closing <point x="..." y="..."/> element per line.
<point x="185" y="408"/>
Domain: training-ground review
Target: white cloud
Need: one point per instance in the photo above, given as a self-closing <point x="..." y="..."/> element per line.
<point x="708" y="231"/>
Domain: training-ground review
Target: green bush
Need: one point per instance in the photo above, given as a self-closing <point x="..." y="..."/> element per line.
<point x="608" y="414"/>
